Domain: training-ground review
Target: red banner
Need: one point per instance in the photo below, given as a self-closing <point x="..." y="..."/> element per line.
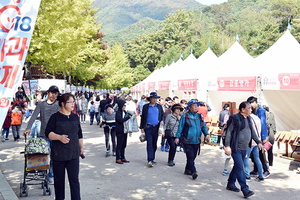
<point x="289" y="81"/>
<point x="143" y="86"/>
<point x="247" y="83"/>
<point x="131" y="89"/>
<point x="140" y="88"/>
<point x="151" y="86"/>
<point x="163" y="85"/>
<point x="136" y="88"/>
<point x="187" y="84"/>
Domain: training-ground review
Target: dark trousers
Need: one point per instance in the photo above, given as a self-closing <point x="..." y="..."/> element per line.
<point x="263" y="161"/>
<point x="121" y="145"/>
<point x="112" y="136"/>
<point x="191" y="154"/>
<point x="172" y="150"/>
<point x="270" y="156"/>
<point x="97" y="116"/>
<point x="151" y="133"/>
<point x="72" y="167"/>
<point x="237" y="171"/>
<point x="92" y="117"/>
<point x="163" y="142"/>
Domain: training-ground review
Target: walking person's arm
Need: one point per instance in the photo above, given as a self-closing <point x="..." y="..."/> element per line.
<point x="34" y="115"/>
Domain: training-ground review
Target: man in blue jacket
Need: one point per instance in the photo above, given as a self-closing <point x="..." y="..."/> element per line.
<point x="190" y="129"/>
<point x="261" y="113"/>
<point x="151" y="118"/>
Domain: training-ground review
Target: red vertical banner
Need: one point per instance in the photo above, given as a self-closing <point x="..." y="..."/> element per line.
<point x="140" y="88"/>
<point x="163" y="85"/>
<point x="187" y="84"/>
<point x="289" y="81"/>
<point x="143" y="86"/>
<point x="247" y="83"/>
<point x="151" y="85"/>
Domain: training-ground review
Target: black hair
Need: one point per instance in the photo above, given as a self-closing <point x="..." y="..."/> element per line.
<point x="226" y="105"/>
<point x="135" y="100"/>
<point x="168" y="99"/>
<point x="64" y="98"/>
<point x="176" y="97"/>
<point x="183" y="101"/>
<point x="252" y="99"/>
<point x="143" y="97"/>
<point x="92" y="102"/>
<point x="243" y="105"/>
<point x="266" y="108"/>
<point x="97" y="98"/>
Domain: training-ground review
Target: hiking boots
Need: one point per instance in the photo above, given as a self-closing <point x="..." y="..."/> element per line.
<point x="246" y="192"/>
<point x="232" y="187"/>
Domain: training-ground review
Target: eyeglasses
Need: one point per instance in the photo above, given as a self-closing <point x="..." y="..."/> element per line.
<point x="71" y="102"/>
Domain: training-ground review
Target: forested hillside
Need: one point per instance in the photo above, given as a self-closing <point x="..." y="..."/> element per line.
<point x="118" y="14"/>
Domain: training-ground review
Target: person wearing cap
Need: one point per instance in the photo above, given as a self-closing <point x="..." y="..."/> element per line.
<point x="172" y="123"/>
<point x="152" y="118"/>
<point x="45" y="109"/>
<point x="191" y="127"/>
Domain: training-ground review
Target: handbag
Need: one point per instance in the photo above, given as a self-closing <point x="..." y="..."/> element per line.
<point x="168" y="132"/>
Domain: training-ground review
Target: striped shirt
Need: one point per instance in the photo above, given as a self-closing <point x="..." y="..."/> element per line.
<point x="45" y="110"/>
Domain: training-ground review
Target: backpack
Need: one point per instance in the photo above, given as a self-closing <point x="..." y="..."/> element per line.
<point x="186" y="126"/>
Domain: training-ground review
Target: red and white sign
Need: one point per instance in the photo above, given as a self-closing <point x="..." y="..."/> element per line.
<point x="187" y="84"/>
<point x="140" y="88"/>
<point x="17" y="20"/>
<point x="163" y="85"/>
<point x="151" y="85"/>
<point x="136" y="88"/>
<point x="247" y="83"/>
<point x="143" y="86"/>
<point x="26" y="87"/>
<point x="131" y="89"/>
<point x="289" y="81"/>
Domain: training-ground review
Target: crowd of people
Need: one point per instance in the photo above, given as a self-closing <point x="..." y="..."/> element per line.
<point x="183" y="125"/>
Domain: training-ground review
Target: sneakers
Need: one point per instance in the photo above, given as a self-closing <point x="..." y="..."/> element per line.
<point x="187" y="172"/>
<point x="232" y="187"/>
<point x="267" y="174"/>
<point x="84" y="122"/>
<point x="171" y="163"/>
<point x="271" y="168"/>
<point x="114" y="153"/>
<point x="167" y="149"/>
<point x="194" y="175"/>
<point x="98" y="123"/>
<point x="150" y="164"/>
<point x="50" y="180"/>
<point x="162" y="148"/>
<point x="246" y="192"/>
<point x="260" y="179"/>
<point x="248" y="179"/>
<point x="181" y="149"/>
<point x="6" y="139"/>
<point x="2" y="137"/>
<point x="154" y="162"/>
<point x="178" y="148"/>
<point x="225" y="173"/>
<point x="254" y="174"/>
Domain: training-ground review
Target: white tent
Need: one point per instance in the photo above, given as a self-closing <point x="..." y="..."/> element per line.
<point x="281" y="57"/>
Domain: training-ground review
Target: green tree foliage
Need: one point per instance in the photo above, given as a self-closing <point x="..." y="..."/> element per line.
<point x="63" y="39"/>
<point x="140" y="73"/>
<point x="117" y="72"/>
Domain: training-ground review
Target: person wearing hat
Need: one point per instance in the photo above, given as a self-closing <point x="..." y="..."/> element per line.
<point x="191" y="127"/>
<point x="152" y="118"/>
<point x="172" y="123"/>
<point x="45" y="109"/>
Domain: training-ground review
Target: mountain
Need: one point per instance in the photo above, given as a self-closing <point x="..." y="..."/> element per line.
<point x="119" y="14"/>
<point x="144" y="26"/>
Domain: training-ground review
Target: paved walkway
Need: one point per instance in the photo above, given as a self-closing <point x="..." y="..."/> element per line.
<point x="102" y="178"/>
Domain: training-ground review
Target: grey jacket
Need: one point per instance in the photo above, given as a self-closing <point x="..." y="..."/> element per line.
<point x="271" y="126"/>
<point x="172" y="123"/>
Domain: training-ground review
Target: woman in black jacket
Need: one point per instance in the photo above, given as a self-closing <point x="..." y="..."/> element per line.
<point x="121" y="117"/>
<point x="64" y="130"/>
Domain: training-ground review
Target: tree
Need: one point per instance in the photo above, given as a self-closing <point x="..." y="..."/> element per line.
<point x="140" y="73"/>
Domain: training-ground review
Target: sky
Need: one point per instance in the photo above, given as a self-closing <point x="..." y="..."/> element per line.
<point x="209" y="2"/>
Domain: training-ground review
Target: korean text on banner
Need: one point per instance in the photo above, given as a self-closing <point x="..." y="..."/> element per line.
<point x="187" y="84"/>
<point x="26" y="87"/>
<point x="163" y="85"/>
<point x="17" y="20"/>
<point x="247" y="83"/>
<point x="289" y="81"/>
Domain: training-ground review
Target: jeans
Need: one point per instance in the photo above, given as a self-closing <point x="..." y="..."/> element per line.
<point x="50" y="174"/>
<point x="36" y="126"/>
<point x="163" y="141"/>
<point x="16" y="131"/>
<point x="92" y="117"/>
<point x="97" y="116"/>
<point x="121" y="145"/>
<point x="112" y="136"/>
<point x="255" y="153"/>
<point x="59" y="168"/>
<point x="264" y="165"/>
<point x="82" y="117"/>
<point x="151" y="133"/>
<point x="237" y="171"/>
<point x="191" y="154"/>
<point x="7" y="132"/>
<point x="172" y="150"/>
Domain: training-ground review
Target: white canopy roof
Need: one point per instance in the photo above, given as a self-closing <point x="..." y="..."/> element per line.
<point x="281" y="57"/>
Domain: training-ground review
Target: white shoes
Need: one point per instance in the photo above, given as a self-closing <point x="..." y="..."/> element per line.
<point x="84" y="122"/>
